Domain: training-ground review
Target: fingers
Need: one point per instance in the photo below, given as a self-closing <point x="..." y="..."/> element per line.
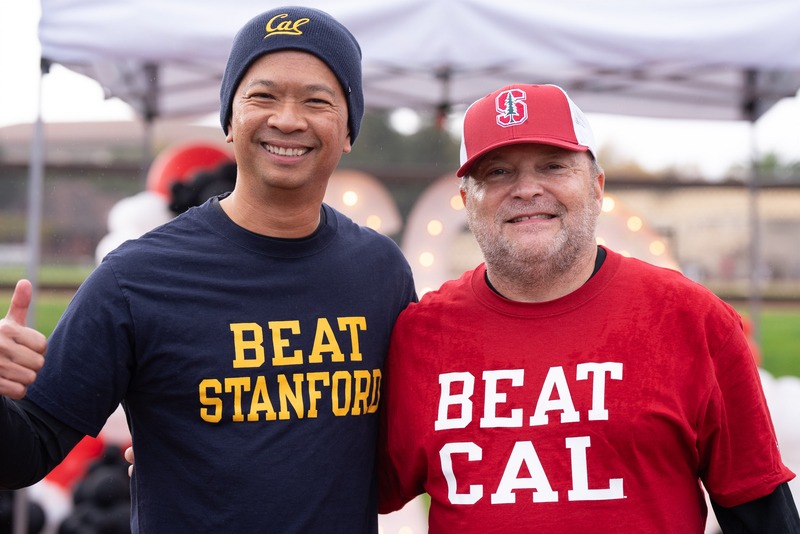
<point x="12" y="389"/>
<point x="20" y="301"/>
<point x="129" y="458"/>
<point x="22" y="349"/>
<point x="18" y="368"/>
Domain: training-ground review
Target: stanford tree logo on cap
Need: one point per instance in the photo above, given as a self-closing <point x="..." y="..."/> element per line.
<point x="511" y="108"/>
<point x="284" y="27"/>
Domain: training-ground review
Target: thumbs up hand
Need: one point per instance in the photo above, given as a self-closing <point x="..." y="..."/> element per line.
<point x="21" y="348"/>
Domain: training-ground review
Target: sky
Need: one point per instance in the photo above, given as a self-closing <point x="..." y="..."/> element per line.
<point x="710" y="147"/>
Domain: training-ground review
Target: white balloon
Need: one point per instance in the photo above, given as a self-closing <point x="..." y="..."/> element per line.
<point x="111" y="241"/>
<point x="131" y="217"/>
<point x="783" y="398"/>
<point x="139" y="213"/>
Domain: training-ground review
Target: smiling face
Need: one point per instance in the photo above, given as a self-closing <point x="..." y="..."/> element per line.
<point x="288" y="125"/>
<point x="533" y="207"/>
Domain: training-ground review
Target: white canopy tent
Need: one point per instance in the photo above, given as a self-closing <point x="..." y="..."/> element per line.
<point x="701" y="59"/>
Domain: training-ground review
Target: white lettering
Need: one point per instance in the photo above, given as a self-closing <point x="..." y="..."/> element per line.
<point x="524" y="453"/>
<point x="492" y="398"/>
<point x="580" y="476"/>
<point x="555" y="380"/>
<point x="474" y="454"/>
<point x="598" y="411"/>
<point x="447" y="399"/>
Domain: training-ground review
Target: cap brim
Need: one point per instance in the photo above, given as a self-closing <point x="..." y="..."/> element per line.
<point x="464" y="169"/>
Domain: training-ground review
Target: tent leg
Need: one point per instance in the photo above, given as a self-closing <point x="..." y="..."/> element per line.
<point x="756" y="271"/>
<point x="35" y="201"/>
<point x="33" y="243"/>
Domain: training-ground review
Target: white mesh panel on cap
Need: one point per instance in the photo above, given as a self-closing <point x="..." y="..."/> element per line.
<point x="583" y="132"/>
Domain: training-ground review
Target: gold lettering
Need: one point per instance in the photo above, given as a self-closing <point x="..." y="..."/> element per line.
<point x="361" y="396"/>
<point x="375" y="399"/>
<point x="279" y="343"/>
<point x="340" y="395"/>
<point x="261" y="402"/>
<point x="241" y="345"/>
<point x="354" y="324"/>
<point x="206" y="414"/>
<point x="237" y="386"/>
<point x="351" y="392"/>
<point x="325" y="341"/>
<point x="293" y="396"/>
<point x="313" y="393"/>
<point x="286" y="27"/>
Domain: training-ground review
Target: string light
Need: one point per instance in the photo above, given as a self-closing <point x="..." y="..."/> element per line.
<point x="657" y="247"/>
<point x="435" y="227"/>
<point x="634" y="223"/>
<point x="350" y="198"/>
<point x="426" y="259"/>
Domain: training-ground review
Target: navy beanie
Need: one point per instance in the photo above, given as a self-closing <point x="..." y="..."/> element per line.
<point x="296" y="28"/>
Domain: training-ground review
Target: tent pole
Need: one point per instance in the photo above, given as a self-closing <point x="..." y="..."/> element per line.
<point x="35" y="199"/>
<point x="147" y="148"/>
<point x="752" y="112"/>
<point x="149" y="112"/>
<point x="754" y="298"/>
<point x="33" y="241"/>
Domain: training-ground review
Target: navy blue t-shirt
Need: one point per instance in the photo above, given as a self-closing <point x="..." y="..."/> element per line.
<point x="249" y="368"/>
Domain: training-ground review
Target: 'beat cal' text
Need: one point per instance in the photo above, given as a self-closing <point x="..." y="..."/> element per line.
<point x="455" y="411"/>
<point x="349" y="391"/>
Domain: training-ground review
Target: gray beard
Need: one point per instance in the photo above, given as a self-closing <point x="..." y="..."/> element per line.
<point x="539" y="265"/>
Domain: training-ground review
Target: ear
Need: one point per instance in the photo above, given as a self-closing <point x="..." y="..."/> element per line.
<point x="463" y="195"/>
<point x="600" y="185"/>
<point x="348" y="146"/>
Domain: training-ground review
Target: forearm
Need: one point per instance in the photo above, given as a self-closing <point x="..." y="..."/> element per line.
<point x="32" y="443"/>
<point x="774" y="514"/>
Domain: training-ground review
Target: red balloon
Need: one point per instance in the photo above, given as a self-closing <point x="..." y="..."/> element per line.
<point x="74" y="466"/>
<point x="180" y="163"/>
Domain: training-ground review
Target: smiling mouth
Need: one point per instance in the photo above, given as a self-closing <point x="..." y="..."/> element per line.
<point x="282" y="151"/>
<point x="531" y="217"/>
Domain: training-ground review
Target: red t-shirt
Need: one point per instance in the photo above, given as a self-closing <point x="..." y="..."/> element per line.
<point x="599" y="411"/>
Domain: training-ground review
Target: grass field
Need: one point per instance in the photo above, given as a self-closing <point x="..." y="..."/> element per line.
<point x="780" y="340"/>
<point x="60" y="275"/>
<point x="780" y="329"/>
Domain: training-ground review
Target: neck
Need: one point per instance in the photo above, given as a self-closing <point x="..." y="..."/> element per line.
<point x="541" y="282"/>
<point x="274" y="217"/>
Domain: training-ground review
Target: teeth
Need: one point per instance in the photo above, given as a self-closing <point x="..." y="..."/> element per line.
<point x="281" y="151"/>
<point x="526" y="218"/>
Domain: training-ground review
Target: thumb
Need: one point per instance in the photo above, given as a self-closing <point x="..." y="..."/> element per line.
<point x="20" y="301"/>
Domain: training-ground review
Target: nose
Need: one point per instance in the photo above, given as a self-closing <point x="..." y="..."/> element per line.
<point x="287" y="117"/>
<point x="527" y="185"/>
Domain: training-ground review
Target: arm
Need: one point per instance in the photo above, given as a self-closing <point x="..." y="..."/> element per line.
<point x="773" y="514"/>
<point x="33" y="443"/>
